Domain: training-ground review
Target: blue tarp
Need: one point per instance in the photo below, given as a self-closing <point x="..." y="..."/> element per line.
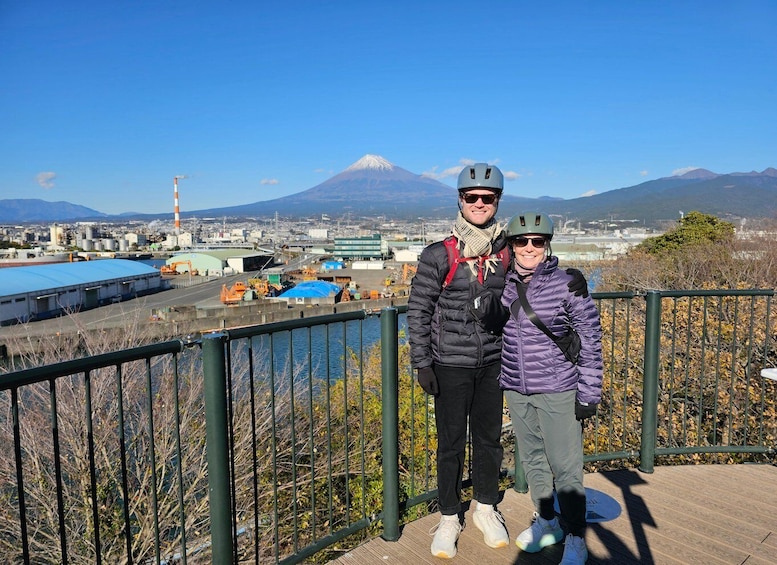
<point x="312" y="289"/>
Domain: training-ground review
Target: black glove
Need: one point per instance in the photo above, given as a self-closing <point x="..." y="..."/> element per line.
<point x="583" y="410"/>
<point x="487" y="309"/>
<point x="578" y="285"/>
<point x="428" y="381"/>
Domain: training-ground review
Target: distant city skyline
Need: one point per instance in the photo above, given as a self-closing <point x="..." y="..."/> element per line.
<point x="104" y="104"/>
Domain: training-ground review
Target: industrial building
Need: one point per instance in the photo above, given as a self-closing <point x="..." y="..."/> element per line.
<point x="222" y="261"/>
<point x="45" y="291"/>
<point x="368" y="247"/>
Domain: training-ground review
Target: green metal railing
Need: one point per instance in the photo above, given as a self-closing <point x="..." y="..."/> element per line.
<point x="280" y="442"/>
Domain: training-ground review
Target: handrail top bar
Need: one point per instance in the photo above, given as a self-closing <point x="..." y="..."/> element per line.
<point x="720" y="292"/>
<point x="24" y="377"/>
<point x="615" y="294"/>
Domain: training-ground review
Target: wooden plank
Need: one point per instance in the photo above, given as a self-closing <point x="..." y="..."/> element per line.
<point x="716" y="497"/>
<point x="722" y="479"/>
<point x="676" y="515"/>
<point x="624" y="540"/>
<point x="770" y="540"/>
<point x="698" y="514"/>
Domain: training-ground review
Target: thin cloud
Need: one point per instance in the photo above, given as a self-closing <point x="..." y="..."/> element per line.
<point x="269" y="181"/>
<point x="589" y="193"/>
<point x="46" y="180"/>
<point x="453" y="172"/>
<point x="450" y="172"/>
<point x="643" y="173"/>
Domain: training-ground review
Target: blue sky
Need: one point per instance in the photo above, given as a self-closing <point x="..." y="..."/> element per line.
<point x="103" y="103"/>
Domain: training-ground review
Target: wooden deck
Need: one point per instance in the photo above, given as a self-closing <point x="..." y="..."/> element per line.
<point x="708" y="514"/>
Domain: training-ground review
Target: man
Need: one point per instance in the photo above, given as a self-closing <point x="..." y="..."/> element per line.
<point x="454" y="325"/>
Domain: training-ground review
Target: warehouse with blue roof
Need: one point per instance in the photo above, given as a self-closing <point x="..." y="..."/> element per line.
<point x="45" y="291"/>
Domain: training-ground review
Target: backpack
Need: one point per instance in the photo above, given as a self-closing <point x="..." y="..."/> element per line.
<point x="454" y="259"/>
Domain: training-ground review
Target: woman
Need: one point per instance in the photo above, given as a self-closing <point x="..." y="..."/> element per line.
<point x="548" y="395"/>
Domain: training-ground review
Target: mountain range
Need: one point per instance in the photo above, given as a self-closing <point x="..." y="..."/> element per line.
<point x="373" y="186"/>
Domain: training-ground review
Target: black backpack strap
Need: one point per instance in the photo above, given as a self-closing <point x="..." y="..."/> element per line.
<point x="530" y="313"/>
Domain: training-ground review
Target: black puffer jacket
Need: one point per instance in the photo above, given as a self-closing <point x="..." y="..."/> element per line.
<point x="442" y="330"/>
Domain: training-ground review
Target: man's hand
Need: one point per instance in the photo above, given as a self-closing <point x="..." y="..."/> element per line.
<point x="584" y="410"/>
<point x="578" y="285"/>
<point x="428" y="381"/>
<point x="487" y="309"/>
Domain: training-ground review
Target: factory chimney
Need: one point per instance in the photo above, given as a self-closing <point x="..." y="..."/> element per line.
<point x="176" y="208"/>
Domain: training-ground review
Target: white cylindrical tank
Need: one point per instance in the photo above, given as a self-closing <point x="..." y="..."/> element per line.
<point x="87" y="244"/>
<point x="109" y="244"/>
<point x="123" y="245"/>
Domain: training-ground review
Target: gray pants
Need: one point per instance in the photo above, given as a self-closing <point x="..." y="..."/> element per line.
<point x="550" y="447"/>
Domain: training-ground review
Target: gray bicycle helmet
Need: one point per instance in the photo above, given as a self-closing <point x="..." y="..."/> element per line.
<point x="481" y="175"/>
<point x="529" y="222"/>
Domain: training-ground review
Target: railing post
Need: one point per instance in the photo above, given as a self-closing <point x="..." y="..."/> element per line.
<point x="519" y="480"/>
<point x="389" y="363"/>
<point x="647" y="449"/>
<point x="216" y="442"/>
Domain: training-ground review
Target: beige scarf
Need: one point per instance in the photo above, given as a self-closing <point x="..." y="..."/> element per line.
<point x="477" y="242"/>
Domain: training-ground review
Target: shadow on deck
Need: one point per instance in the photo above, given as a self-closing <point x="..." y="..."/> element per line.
<point x="706" y="514"/>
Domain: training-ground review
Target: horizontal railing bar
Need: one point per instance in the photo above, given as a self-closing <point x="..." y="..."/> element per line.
<point x="611" y="456"/>
<point x="323" y="543"/>
<point x="721" y="292"/>
<point x="716" y="449"/>
<point x="75" y="366"/>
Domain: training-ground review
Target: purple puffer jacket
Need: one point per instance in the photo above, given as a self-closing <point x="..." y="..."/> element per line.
<point x="531" y="362"/>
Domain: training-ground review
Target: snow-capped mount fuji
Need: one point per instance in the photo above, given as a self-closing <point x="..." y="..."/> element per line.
<point x="371" y="163"/>
<point x="371" y="186"/>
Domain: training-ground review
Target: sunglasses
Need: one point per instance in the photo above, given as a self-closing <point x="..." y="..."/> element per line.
<point x="537" y="242"/>
<point x="472" y="198"/>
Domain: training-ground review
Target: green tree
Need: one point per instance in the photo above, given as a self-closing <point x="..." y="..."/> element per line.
<point x="694" y="229"/>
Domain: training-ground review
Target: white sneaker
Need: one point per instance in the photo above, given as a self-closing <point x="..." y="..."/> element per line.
<point x="492" y="524"/>
<point x="446" y="533"/>
<point x="541" y="533"/>
<point x="575" y="551"/>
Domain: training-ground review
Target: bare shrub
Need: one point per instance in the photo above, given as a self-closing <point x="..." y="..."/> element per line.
<point x="100" y="455"/>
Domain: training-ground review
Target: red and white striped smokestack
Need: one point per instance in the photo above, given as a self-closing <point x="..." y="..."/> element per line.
<point x="177" y="210"/>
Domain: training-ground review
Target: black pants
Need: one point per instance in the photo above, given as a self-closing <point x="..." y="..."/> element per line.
<point x="468" y="395"/>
